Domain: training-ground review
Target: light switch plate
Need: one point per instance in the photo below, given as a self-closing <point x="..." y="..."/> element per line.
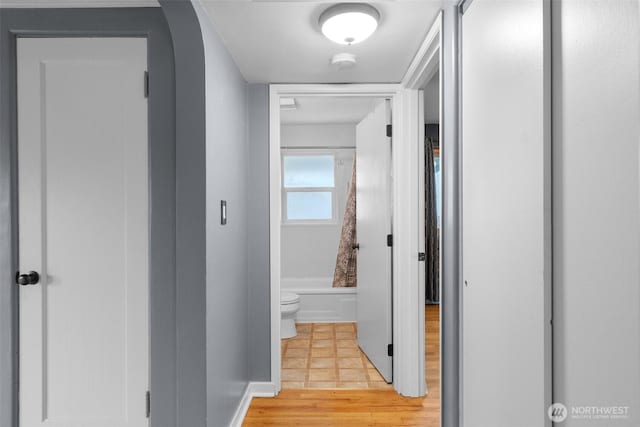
<point x="223" y="212"/>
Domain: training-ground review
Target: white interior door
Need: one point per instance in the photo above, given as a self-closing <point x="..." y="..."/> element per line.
<point x="373" y="224"/>
<point x="83" y="226"/>
<point x="506" y="214"/>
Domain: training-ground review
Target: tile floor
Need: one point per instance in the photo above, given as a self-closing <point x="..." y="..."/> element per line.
<point x="326" y="355"/>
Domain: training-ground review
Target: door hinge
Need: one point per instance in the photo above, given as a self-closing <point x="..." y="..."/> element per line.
<point x="389" y="131"/>
<point x="390" y="350"/>
<point x="422" y="256"/>
<point x="146" y="84"/>
<point x="148" y="404"/>
<point x="390" y="240"/>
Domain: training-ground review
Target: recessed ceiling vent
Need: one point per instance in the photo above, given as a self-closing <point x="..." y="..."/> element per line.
<point x="288" y="104"/>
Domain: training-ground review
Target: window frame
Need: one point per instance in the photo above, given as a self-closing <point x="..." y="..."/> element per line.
<point x="308" y="152"/>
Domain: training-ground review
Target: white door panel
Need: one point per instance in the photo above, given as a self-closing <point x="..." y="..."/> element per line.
<point x="83" y="225"/>
<point x="506" y="214"/>
<point x="373" y="223"/>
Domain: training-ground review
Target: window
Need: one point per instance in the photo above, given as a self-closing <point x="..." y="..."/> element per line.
<point x="308" y="187"/>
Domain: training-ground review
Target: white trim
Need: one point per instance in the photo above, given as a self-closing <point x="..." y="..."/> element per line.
<point x="423" y="67"/>
<point x="425" y="64"/>
<point x="274" y="231"/>
<point x="76" y="3"/>
<point x="409" y="354"/>
<point x="337" y="90"/>
<point x="408" y="303"/>
<point x="253" y="389"/>
<point x="242" y="409"/>
<point x="261" y="389"/>
<point x="422" y="244"/>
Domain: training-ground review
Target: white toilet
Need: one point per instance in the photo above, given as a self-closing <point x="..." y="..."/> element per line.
<point x="289" y="306"/>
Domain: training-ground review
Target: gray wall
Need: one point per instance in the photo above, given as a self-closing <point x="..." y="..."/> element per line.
<point x="135" y="22"/>
<point x="190" y="214"/>
<point x="258" y="235"/>
<point x="203" y="350"/>
<point x="596" y="204"/>
<point x="432" y="100"/>
<point x="227" y="355"/>
<point x="176" y="111"/>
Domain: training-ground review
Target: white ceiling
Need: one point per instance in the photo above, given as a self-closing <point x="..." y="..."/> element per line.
<point x="322" y="109"/>
<point x="280" y="41"/>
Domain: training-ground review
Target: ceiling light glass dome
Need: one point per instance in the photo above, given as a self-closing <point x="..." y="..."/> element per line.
<point x="349" y="23"/>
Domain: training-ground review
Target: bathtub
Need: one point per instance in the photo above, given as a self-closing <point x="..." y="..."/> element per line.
<point x="319" y="302"/>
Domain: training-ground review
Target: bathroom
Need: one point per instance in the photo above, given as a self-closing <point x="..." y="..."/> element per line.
<point x="319" y="249"/>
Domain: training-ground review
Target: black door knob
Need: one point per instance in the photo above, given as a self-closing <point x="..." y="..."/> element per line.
<point x="356" y="246"/>
<point x="30" y="278"/>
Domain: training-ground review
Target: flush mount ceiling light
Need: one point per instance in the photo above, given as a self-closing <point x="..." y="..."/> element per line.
<point x="349" y="23"/>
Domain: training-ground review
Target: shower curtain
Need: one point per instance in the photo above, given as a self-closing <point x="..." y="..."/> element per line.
<point x="432" y="262"/>
<point x="346" y="272"/>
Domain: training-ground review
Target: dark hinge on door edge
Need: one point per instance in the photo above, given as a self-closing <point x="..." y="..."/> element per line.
<point x="146" y="84"/>
<point x="390" y="240"/>
<point x="148" y="403"/>
<point x="390" y="350"/>
<point x="389" y="131"/>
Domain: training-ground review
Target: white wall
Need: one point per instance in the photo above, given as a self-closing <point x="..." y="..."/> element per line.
<point x="596" y="107"/>
<point x="309" y="251"/>
<point x="310" y="135"/>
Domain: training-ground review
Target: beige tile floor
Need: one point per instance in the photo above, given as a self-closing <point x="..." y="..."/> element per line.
<point x="326" y="355"/>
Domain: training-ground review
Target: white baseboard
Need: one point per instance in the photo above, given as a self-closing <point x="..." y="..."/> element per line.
<point x="253" y="389"/>
<point x="262" y="389"/>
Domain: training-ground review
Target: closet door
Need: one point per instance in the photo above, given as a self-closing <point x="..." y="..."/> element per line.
<point x="83" y="220"/>
<point x="506" y="214"/>
<point x="596" y="218"/>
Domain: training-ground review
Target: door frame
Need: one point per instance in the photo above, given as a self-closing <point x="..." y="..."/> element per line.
<point x="406" y="311"/>
<point x="426" y="63"/>
<point x="440" y="48"/>
<point x="149" y="23"/>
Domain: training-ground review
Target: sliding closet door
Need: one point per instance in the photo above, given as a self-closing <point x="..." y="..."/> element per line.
<point x="596" y="222"/>
<point x="506" y="214"/>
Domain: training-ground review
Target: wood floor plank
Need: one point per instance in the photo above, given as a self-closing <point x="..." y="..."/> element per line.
<point x="358" y="408"/>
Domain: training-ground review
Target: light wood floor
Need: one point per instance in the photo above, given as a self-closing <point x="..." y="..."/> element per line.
<point x="358" y="407"/>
